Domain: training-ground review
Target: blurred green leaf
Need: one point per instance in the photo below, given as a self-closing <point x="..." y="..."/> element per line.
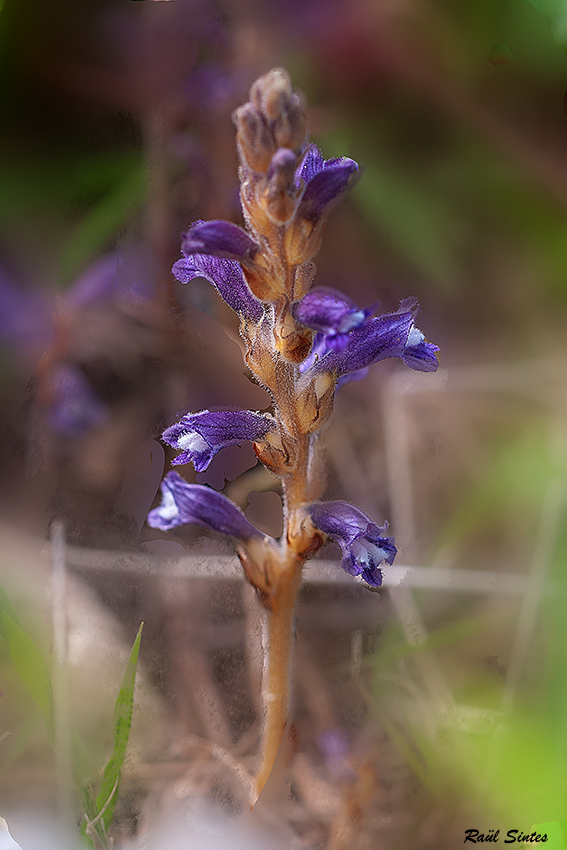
<point x="7" y="606"/>
<point x="394" y="646"/>
<point x="102" y="221"/>
<point x="415" y="221"/>
<point x="517" y="473"/>
<point x="555" y="13"/>
<point x="81" y="762"/>
<point x="52" y="185"/>
<point x="500" y="54"/>
<point x="122" y="722"/>
<point x="414" y="218"/>
<point x="31" y="668"/>
<point x="19" y="742"/>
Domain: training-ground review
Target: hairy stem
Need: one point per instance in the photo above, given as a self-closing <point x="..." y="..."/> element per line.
<point x="277" y="663"/>
<point x="278" y="639"/>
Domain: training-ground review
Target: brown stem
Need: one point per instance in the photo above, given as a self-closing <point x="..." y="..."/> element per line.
<point x="277" y="658"/>
<point x="278" y="644"/>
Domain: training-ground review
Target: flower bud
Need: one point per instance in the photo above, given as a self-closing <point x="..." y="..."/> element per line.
<point x="271" y="93"/>
<point x="315" y="402"/>
<point x="271" y="451"/>
<point x="262" y="568"/>
<point x="254" y="138"/>
<point x="292" y="341"/>
<point x="280" y="192"/>
<point x="290" y="128"/>
<point x="282" y="109"/>
<point x="302" y="535"/>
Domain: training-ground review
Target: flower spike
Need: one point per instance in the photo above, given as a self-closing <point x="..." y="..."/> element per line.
<point x="186" y="504"/>
<point x="201" y="435"/>
<point x="300" y="344"/>
<point x="361" y="541"/>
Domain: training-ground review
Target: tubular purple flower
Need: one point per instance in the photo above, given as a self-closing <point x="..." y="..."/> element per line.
<point x="325" y="180"/>
<point x="201" y="435"/>
<point x="226" y="276"/>
<point x="195" y="504"/>
<point x="392" y="335"/>
<point x="363" y="547"/>
<point x="220" y="239"/>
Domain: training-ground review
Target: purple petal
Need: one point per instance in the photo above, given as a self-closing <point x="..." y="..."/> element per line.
<point x="382" y="337"/>
<point x="220" y="239"/>
<point x="363" y="547"/>
<point x="313" y="163"/>
<point x="226" y="276"/>
<point x="323" y="309"/>
<point x="419" y="354"/>
<point x="325" y="187"/>
<point x="201" y="435"/>
<point x="194" y="504"/>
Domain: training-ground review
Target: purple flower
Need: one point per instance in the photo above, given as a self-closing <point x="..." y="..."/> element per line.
<point x="219" y="239"/>
<point x="226" y="276"/>
<point x="185" y="504"/>
<point x="363" y="547"/>
<point x="325" y="181"/>
<point x="330" y="312"/>
<point x="346" y="350"/>
<point x="201" y="435"/>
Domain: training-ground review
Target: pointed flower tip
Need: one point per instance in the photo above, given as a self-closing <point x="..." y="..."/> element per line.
<point x="419" y="354"/>
<point x="363" y="547"/>
<point x="201" y="435"/>
<point x="325" y="181"/>
<point x="195" y="504"/>
<point x="219" y="239"/>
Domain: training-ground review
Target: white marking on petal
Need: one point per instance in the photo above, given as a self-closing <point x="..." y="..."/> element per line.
<point x="169" y="509"/>
<point x="415" y="336"/>
<point x="350" y="321"/>
<point x="367" y="554"/>
<point x="192" y="442"/>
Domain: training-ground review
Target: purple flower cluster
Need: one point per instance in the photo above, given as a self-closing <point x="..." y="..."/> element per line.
<point x="295" y="187"/>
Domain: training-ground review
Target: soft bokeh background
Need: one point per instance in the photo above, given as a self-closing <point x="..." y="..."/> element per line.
<point x="117" y="134"/>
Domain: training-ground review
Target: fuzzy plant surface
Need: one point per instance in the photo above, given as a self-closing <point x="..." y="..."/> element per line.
<point x="302" y="343"/>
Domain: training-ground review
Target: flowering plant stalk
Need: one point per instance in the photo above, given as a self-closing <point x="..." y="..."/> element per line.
<point x="301" y="344"/>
